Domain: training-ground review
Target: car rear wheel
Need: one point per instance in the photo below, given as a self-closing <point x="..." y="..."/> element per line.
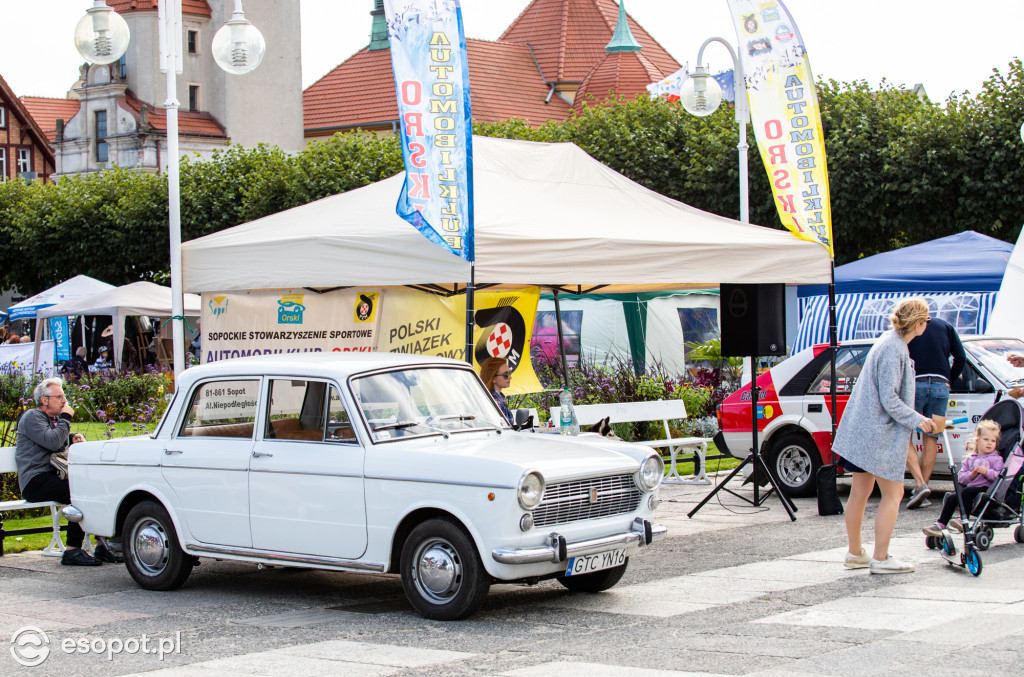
<point x="598" y="581"/>
<point x="152" y="554"/>
<point x="441" y="572"/>
<point x="793" y="460"/>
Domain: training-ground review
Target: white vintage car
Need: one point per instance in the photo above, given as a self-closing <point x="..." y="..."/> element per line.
<point x="374" y="462"/>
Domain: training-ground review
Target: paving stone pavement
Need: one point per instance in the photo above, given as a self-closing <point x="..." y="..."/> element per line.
<point x="737" y="590"/>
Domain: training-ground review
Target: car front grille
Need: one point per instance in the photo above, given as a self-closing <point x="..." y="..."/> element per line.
<point x="587" y="499"/>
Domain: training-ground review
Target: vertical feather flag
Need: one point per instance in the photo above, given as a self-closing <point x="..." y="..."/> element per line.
<point x="786" y="117"/>
<point x="428" y="57"/>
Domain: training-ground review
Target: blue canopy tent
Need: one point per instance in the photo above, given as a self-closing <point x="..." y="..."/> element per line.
<point x="959" y="275"/>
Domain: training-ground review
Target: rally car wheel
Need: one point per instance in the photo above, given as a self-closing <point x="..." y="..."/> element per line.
<point x="793" y="460"/>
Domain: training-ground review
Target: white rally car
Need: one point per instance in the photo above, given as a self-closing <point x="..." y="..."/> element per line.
<point x="794" y="408"/>
<point x="377" y="462"/>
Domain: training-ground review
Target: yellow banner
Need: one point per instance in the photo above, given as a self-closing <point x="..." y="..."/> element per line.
<point x="426" y="324"/>
<point x="786" y="117"/>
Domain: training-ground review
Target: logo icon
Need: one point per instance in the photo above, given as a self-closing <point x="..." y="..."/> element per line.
<point x="290" y="309"/>
<point x="30" y="646"/>
<point x="593" y="495"/>
<point x="500" y="340"/>
<point x="218" y="305"/>
<point x="365" y="305"/>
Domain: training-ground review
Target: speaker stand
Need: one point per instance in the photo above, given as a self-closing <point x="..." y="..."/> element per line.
<point x="756" y="462"/>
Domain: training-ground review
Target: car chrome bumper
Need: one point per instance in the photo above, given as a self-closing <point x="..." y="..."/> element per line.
<point x="642" y="533"/>
<point x="72" y="514"/>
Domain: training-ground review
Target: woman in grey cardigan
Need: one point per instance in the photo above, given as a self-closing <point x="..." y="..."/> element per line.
<point x="874" y="434"/>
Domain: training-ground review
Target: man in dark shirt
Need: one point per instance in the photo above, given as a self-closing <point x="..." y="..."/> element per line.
<point x="931" y="352"/>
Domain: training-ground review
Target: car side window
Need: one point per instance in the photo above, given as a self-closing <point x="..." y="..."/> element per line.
<point x="971" y="381"/>
<point x="295" y="410"/>
<point x="339" y="424"/>
<point x="849" y="362"/>
<point x="222" y="409"/>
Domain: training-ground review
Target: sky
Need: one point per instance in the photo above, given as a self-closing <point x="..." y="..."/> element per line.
<point x="947" y="46"/>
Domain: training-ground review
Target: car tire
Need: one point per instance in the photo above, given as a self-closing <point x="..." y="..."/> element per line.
<point x="441" y="571"/>
<point x="599" y="581"/>
<point x="152" y="554"/>
<point x="793" y="461"/>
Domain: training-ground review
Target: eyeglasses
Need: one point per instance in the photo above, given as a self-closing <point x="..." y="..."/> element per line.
<point x="61" y="396"/>
<point x="505" y="374"/>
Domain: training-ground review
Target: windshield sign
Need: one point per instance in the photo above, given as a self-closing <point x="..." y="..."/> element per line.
<point x="991" y="354"/>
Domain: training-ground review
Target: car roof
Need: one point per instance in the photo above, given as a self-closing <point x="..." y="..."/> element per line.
<point x="339" y="365"/>
<point x="964" y="337"/>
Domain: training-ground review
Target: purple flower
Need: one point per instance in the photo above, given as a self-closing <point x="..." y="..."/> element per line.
<point x="101" y="415"/>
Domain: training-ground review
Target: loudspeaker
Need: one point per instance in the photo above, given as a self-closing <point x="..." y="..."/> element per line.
<point x="753" y="319"/>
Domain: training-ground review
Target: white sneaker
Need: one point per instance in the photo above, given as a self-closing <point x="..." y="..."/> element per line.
<point x="861" y="561"/>
<point x="890" y="566"/>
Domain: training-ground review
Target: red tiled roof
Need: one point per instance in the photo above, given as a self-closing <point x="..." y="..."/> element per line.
<point x="504" y="83"/>
<point x="19" y="109"/>
<point x="46" y="111"/>
<point x="197" y="7"/>
<point x="189" y="123"/>
<point x="568" y="37"/>
<point x="624" y="73"/>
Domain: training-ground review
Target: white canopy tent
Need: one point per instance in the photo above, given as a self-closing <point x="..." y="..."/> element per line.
<point x="138" y="298"/>
<point x="1007" y="316"/>
<point x="77" y="287"/>
<point x="545" y="214"/>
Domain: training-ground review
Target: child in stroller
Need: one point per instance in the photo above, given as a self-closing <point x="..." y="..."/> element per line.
<point x="978" y="471"/>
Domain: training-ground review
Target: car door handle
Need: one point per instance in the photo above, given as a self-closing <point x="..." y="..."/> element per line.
<point x="814" y="408"/>
<point x="260" y="454"/>
<point x="168" y="452"/>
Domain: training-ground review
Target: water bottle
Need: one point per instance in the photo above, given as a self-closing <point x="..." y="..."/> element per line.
<point x="567" y="415"/>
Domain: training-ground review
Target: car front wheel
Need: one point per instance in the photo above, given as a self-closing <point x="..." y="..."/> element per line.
<point x="793" y="460"/>
<point x="151" y="550"/>
<point x="441" y="572"/>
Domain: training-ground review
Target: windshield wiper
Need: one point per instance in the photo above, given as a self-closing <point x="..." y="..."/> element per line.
<point x="457" y="417"/>
<point x="396" y="425"/>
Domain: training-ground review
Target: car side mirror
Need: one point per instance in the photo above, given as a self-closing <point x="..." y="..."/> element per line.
<point x="524" y="419"/>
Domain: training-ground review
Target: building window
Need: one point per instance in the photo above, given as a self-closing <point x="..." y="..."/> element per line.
<point x="102" y="150"/>
<point x="3" y="163"/>
<point x="24" y="160"/>
<point x="3" y="117"/>
<point x="192" y="39"/>
<point x="122" y="66"/>
<point x="193" y="97"/>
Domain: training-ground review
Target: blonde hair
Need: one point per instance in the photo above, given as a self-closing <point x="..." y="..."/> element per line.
<point x="907" y="313"/>
<point x="984" y="426"/>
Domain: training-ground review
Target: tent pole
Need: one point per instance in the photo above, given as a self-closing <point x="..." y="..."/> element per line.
<point x="470" y="312"/>
<point x="833" y="346"/>
<point x="561" y="341"/>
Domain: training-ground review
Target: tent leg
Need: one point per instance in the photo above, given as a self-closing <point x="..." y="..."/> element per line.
<point x="470" y="312"/>
<point x="561" y="341"/>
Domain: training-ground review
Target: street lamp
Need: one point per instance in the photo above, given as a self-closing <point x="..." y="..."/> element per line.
<point x="243" y="55"/>
<point x="701" y="96"/>
<point x="101" y="37"/>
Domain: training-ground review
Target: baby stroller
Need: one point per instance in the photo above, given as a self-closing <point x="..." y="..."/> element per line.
<point x="1000" y="505"/>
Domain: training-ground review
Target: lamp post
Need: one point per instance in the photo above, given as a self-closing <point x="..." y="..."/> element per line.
<point x="238" y="47"/>
<point x="701" y="95"/>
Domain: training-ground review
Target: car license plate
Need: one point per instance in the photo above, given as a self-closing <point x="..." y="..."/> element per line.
<point x="584" y="564"/>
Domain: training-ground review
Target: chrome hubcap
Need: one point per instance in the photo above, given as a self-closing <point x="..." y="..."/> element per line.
<point x="149" y="546"/>
<point x="438" y="570"/>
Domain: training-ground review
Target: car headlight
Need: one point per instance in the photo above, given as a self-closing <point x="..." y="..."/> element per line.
<point x="651" y="473"/>
<point x="531" y="488"/>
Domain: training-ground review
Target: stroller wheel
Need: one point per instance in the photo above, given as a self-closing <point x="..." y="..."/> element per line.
<point x="929" y="541"/>
<point x="973" y="561"/>
<point x="946" y="544"/>
<point x="1018" y="533"/>
<point x="983" y="539"/>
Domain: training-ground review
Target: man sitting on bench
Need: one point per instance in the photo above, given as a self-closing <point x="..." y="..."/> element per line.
<point x="41" y="432"/>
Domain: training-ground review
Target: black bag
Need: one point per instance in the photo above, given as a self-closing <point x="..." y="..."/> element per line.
<point x="828" y="495"/>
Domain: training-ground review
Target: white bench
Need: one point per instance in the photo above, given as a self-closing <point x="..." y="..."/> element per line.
<point x="56" y="546"/>
<point x="658" y="410"/>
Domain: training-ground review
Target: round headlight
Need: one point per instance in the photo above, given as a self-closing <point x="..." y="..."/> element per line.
<point x="531" y="488"/>
<point x="651" y="472"/>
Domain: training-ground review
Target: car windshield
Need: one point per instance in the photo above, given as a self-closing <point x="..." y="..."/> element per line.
<point x="424" y="401"/>
<point x="991" y="354"/>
